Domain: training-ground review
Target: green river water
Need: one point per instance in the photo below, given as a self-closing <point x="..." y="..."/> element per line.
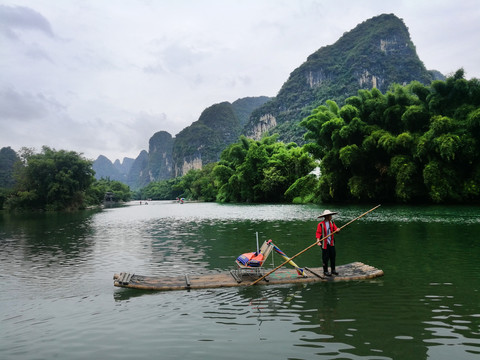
<point x="57" y="299"/>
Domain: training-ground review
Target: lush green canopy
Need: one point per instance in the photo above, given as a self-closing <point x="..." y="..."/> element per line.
<point x="8" y="158"/>
<point x="99" y="190"/>
<point x="51" y="180"/>
<point x="159" y="190"/>
<point x="261" y="171"/>
<point x="414" y="143"/>
<point x="248" y="171"/>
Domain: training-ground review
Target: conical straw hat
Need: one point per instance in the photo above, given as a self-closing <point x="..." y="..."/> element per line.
<point x="326" y="213"/>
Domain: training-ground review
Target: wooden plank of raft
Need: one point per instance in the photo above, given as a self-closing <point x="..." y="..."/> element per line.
<point x="235" y="276"/>
<point x="348" y="272"/>
<point x="123" y="275"/>
<point x="126" y="278"/>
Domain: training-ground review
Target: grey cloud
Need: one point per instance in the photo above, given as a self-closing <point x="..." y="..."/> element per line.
<point x="156" y="68"/>
<point x="25" y="106"/>
<point x="235" y="81"/>
<point x="35" y="52"/>
<point x="130" y="136"/>
<point x="145" y="125"/>
<point x="18" y="18"/>
<point x="175" y="58"/>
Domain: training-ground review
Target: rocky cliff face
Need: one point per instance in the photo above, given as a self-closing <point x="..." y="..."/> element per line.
<point x="265" y="123"/>
<point x="124" y="166"/>
<point x="154" y="165"/>
<point x="376" y="53"/>
<point x="189" y="163"/>
<point x="217" y="127"/>
<point x="139" y="176"/>
<point x="160" y="162"/>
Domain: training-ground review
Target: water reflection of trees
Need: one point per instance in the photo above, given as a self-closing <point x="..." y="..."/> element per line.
<point x="48" y="239"/>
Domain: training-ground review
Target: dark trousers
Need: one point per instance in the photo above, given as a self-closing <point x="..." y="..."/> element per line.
<point x="328" y="254"/>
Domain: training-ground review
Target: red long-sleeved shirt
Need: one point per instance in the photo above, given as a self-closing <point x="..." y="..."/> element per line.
<point x="322" y="232"/>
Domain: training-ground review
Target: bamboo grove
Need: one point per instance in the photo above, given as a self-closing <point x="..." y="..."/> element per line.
<point x="414" y="144"/>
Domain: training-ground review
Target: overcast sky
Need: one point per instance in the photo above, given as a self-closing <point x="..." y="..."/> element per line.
<point x="102" y="76"/>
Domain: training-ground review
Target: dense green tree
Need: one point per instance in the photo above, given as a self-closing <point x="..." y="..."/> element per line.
<point x="415" y="143"/>
<point x="198" y="184"/>
<point x="261" y="171"/>
<point x="8" y="158"/>
<point x="51" y="180"/>
<point x="8" y="161"/>
<point x="160" y="190"/>
<point x="97" y="191"/>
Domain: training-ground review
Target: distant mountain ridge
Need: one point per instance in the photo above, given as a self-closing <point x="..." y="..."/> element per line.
<point x="118" y="171"/>
<point x="124" y="166"/>
<point x="376" y="53"/>
<point x="196" y="145"/>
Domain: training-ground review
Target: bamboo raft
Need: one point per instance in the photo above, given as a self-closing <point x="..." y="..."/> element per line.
<point x="237" y="278"/>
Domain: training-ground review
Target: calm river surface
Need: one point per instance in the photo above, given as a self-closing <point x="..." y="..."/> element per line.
<point x="57" y="298"/>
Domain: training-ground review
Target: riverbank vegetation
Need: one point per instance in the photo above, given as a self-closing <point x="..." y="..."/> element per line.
<point x="55" y="181"/>
<point x="248" y="171"/>
<point x="416" y="143"/>
<point x="413" y="144"/>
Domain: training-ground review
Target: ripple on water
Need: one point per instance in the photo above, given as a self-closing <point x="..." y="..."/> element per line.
<point x="57" y="285"/>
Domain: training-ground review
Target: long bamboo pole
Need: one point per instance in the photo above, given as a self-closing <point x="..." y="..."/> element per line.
<point x="315" y="243"/>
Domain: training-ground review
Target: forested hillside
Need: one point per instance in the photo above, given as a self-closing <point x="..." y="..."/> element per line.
<point x="375" y="54"/>
<point x="202" y="142"/>
<point x="104" y="168"/>
<point x="217" y="127"/>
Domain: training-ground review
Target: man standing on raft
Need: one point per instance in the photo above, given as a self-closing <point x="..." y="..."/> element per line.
<point x="325" y="228"/>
